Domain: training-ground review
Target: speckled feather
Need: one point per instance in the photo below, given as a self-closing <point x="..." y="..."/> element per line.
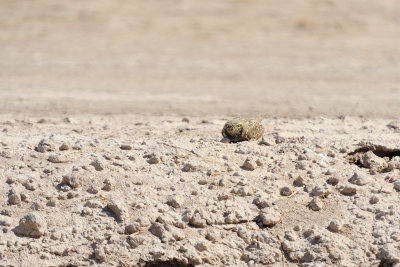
<point x="243" y="130"/>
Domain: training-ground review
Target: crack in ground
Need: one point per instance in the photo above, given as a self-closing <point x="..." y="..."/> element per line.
<point x="378" y="150"/>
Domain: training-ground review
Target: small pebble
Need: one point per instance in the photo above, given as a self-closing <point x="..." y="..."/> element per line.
<point x="270" y="216"/>
<point x="335" y="226"/>
<point x="97" y="164"/>
<point x="202" y="182"/>
<point x="333" y="180"/>
<point x="52" y="202"/>
<point x="126" y="147"/>
<point x="188" y="168"/>
<point x="13" y="197"/>
<point x="176" y="201"/>
<point x="249" y="164"/>
<point x="348" y="190"/>
<point x="286" y="191"/>
<point x="396" y="185"/>
<point x="64" y="147"/>
<point x="153" y="160"/>
<point x="132" y="228"/>
<point x="32" y="225"/>
<point x="299" y="181"/>
<point x="201" y="246"/>
<point x="55" y="158"/>
<point x="99" y="254"/>
<point x="373" y="200"/>
<point x="316" y="204"/>
<point x="360" y="178"/>
<point x="107" y="185"/>
<point x="92" y="189"/>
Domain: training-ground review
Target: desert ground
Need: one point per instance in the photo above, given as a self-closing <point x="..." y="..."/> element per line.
<point x="111" y="152"/>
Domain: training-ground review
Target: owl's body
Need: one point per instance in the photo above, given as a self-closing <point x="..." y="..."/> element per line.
<point x="242" y="130"/>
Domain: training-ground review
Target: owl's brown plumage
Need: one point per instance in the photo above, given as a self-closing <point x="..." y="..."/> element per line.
<point x="242" y="130"/>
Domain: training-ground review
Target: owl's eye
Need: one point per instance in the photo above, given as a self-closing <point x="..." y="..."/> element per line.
<point x="228" y="126"/>
<point x="238" y="126"/>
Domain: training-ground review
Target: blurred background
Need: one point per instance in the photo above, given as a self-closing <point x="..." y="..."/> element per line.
<point x="257" y="58"/>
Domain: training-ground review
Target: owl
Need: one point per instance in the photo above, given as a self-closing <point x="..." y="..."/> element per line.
<point x="243" y="130"/>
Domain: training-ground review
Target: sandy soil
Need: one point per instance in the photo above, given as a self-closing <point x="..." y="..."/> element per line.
<point x="197" y="58"/>
<point x="110" y="133"/>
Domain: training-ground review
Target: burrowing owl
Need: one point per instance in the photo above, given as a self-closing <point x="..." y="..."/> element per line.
<point x="242" y="130"/>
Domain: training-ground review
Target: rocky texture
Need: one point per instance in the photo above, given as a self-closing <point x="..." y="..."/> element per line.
<point x="372" y="162"/>
<point x="316" y="204"/>
<point x="31" y="225"/>
<point x="117" y="209"/>
<point x="95" y="75"/>
<point x="360" y="178"/>
<point x="45" y="145"/>
<point x="270" y="216"/>
<point x="186" y="198"/>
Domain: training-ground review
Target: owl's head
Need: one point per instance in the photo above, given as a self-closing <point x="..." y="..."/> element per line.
<point x="232" y="130"/>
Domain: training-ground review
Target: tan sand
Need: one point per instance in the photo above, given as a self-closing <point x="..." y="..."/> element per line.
<point x="110" y="133"/>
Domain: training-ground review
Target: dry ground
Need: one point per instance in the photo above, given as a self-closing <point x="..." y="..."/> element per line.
<point x="87" y="77"/>
<point x="265" y="58"/>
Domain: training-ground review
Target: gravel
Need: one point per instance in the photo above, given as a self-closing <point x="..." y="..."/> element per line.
<point x="227" y="204"/>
